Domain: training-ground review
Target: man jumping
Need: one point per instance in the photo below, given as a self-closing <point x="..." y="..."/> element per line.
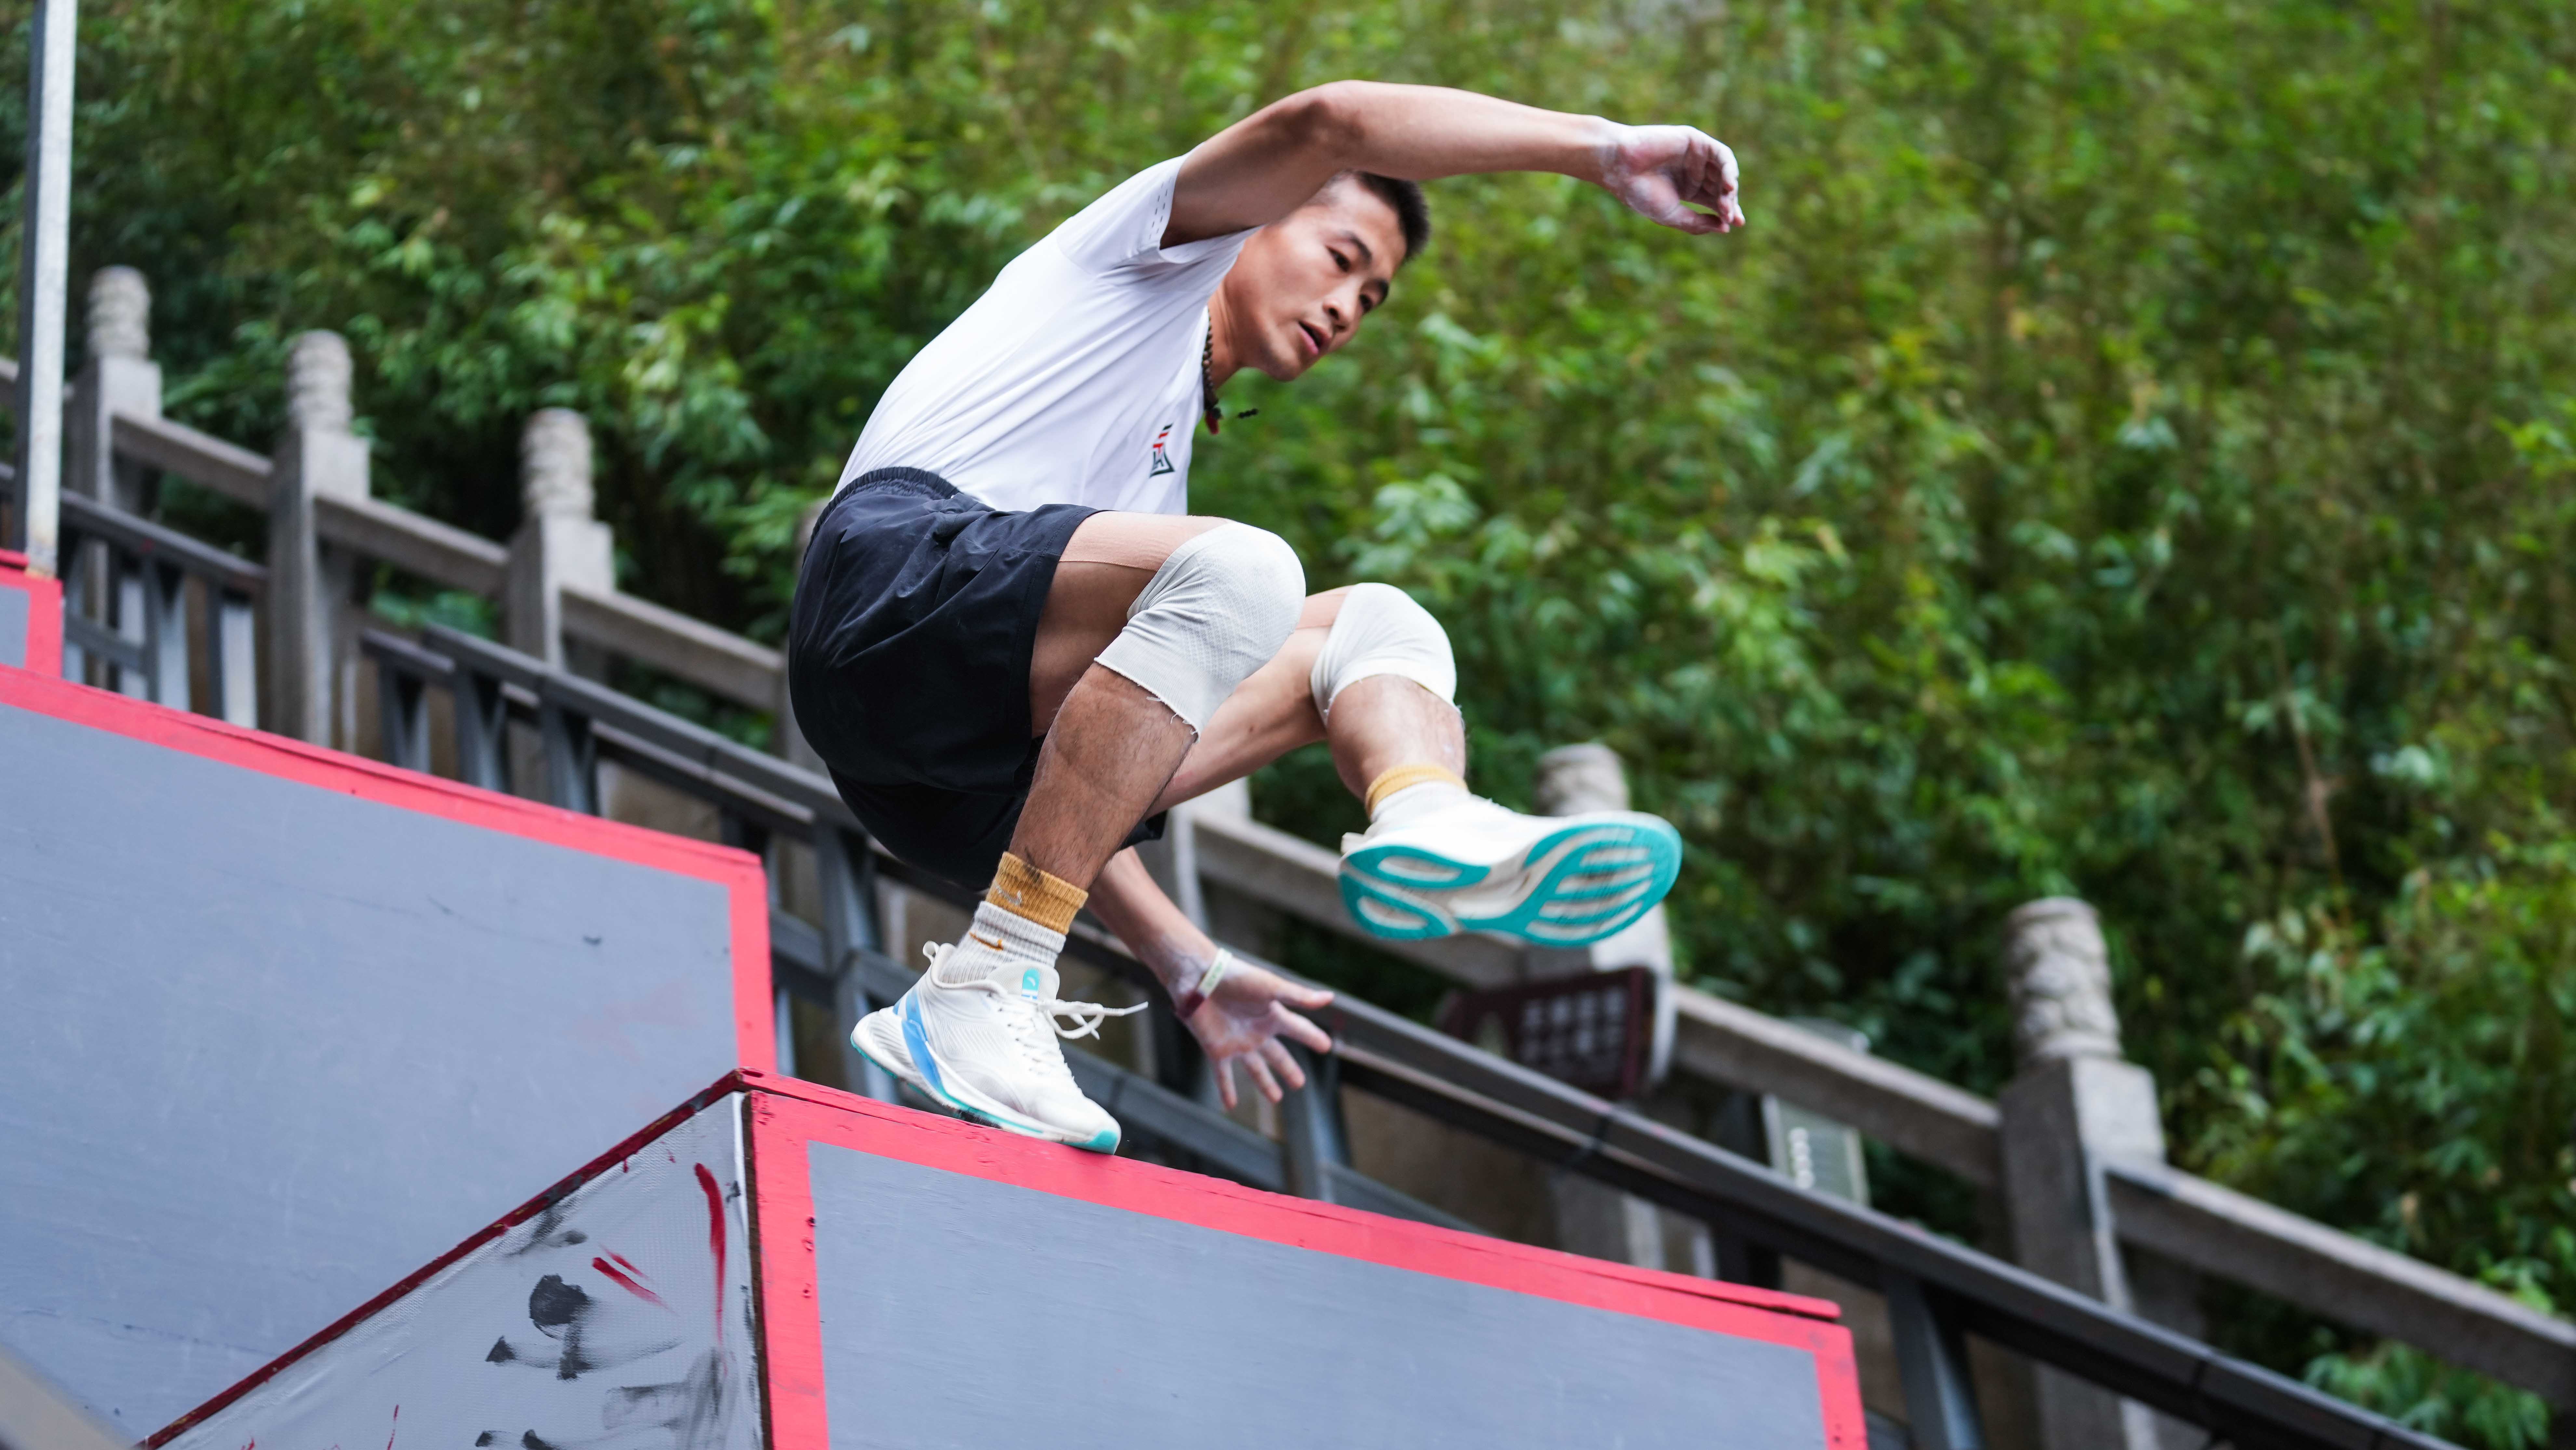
<point x="1015" y="650"/>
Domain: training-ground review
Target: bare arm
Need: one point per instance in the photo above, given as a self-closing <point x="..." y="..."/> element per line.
<point x="1251" y="1008"/>
<point x="1266" y="165"/>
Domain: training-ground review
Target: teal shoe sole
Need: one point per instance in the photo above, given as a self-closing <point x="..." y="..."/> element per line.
<point x="1596" y="880"/>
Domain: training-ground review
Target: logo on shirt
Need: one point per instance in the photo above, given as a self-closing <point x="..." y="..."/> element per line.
<point x="1162" y="455"/>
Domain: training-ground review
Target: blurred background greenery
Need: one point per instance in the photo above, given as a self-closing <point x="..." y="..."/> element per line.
<point x="2129" y="455"/>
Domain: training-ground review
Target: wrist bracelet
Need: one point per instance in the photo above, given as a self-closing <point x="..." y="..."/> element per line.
<point x="1215" y="973"/>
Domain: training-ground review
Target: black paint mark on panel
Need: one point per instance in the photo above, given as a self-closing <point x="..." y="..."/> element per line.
<point x="692" y="1409"/>
<point x="583" y="1333"/>
<point x="558" y="1309"/>
<point x="548" y="1232"/>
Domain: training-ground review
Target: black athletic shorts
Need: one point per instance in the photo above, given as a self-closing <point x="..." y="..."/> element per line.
<point x="908" y="663"/>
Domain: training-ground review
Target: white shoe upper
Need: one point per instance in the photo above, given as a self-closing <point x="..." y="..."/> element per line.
<point x="994" y="1047"/>
<point x="1457" y="824"/>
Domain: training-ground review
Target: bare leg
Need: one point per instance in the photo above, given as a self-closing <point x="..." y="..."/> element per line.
<point x="1385" y="721"/>
<point x="1113" y="749"/>
<point x="1378" y="724"/>
<point x="1110" y="745"/>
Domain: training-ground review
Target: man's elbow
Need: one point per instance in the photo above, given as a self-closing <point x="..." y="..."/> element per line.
<point x="1328" y="121"/>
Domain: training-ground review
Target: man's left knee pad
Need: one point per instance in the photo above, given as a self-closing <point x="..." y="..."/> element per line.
<point x="1219" y="608"/>
<point x="1381" y="631"/>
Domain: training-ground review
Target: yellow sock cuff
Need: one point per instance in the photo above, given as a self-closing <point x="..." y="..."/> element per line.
<point x="1409" y="775"/>
<point x="1025" y="891"/>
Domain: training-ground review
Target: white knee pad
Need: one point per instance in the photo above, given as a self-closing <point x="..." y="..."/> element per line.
<point x="1219" y="608"/>
<point x="1381" y="631"/>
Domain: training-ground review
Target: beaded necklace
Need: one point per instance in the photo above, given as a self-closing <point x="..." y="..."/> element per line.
<point x="1207" y="381"/>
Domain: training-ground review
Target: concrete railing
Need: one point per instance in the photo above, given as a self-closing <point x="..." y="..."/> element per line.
<point x="2073" y="1149"/>
<point x="553" y="579"/>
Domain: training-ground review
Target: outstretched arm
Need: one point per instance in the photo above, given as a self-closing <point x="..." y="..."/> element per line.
<point x="1250" y="1009"/>
<point x="1266" y="165"/>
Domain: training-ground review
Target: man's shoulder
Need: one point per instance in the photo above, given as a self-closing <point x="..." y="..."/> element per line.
<point x="1123" y="223"/>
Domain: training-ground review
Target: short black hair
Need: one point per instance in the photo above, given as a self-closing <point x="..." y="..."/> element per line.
<point x="1412" y="213"/>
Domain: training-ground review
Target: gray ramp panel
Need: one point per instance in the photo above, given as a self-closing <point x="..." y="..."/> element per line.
<point x="961" y="1311"/>
<point x="272" y="1045"/>
<point x="625" y="1308"/>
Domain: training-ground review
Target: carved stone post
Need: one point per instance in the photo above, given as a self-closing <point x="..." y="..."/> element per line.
<point x="1592" y="1219"/>
<point x="120" y="377"/>
<point x="2075" y="1106"/>
<point x="311" y="587"/>
<point x="560" y="543"/>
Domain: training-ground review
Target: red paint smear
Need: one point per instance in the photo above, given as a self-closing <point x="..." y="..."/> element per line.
<point x="629" y="1266"/>
<point x="396" y="1430"/>
<point x="623" y="1282"/>
<point x="715" y="1242"/>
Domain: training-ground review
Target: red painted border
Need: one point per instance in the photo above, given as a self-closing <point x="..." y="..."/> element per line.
<point x="44" y="613"/>
<point x="626" y="1148"/>
<point x="745" y="881"/>
<point x="785" y="1115"/>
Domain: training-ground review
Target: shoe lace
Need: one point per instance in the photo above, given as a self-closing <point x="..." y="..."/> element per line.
<point x="1055" y="1012"/>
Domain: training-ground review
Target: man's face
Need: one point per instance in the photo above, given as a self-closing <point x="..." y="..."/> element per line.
<point x="1303" y="282"/>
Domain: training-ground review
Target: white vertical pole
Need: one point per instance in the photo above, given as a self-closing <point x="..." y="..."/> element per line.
<point x="43" y="284"/>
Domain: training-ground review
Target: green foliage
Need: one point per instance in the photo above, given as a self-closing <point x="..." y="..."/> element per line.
<point x="2127" y="456"/>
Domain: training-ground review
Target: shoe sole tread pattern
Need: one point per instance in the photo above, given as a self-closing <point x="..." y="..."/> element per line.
<point x="1587" y="881"/>
<point x="932" y="1085"/>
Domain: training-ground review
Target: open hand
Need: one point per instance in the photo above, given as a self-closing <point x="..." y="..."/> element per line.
<point x="1244" y="1020"/>
<point x="1664" y="172"/>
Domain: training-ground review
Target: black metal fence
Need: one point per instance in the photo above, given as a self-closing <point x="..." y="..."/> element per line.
<point x="126" y="605"/>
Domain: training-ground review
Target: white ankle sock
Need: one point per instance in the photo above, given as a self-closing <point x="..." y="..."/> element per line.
<point x="999" y="938"/>
<point x="1417" y="802"/>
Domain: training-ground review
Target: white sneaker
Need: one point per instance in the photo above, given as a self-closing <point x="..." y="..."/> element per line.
<point x="989" y="1049"/>
<point x="1467" y="864"/>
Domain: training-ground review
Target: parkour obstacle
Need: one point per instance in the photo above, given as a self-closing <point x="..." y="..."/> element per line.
<point x="792" y="1265"/>
<point x="315" y="1060"/>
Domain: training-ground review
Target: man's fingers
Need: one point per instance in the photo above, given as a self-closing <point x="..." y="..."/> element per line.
<point x="1262" y="1079"/>
<point x="1225" y="1082"/>
<point x="1284" y="1063"/>
<point x="1310" y="998"/>
<point x="1304" y="1031"/>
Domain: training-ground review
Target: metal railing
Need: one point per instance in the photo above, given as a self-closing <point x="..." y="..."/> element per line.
<point x="1937" y="1291"/>
<point x="138" y="573"/>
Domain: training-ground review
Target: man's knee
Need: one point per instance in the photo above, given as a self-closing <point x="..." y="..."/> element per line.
<point x="1220" y="606"/>
<point x="1381" y="631"/>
